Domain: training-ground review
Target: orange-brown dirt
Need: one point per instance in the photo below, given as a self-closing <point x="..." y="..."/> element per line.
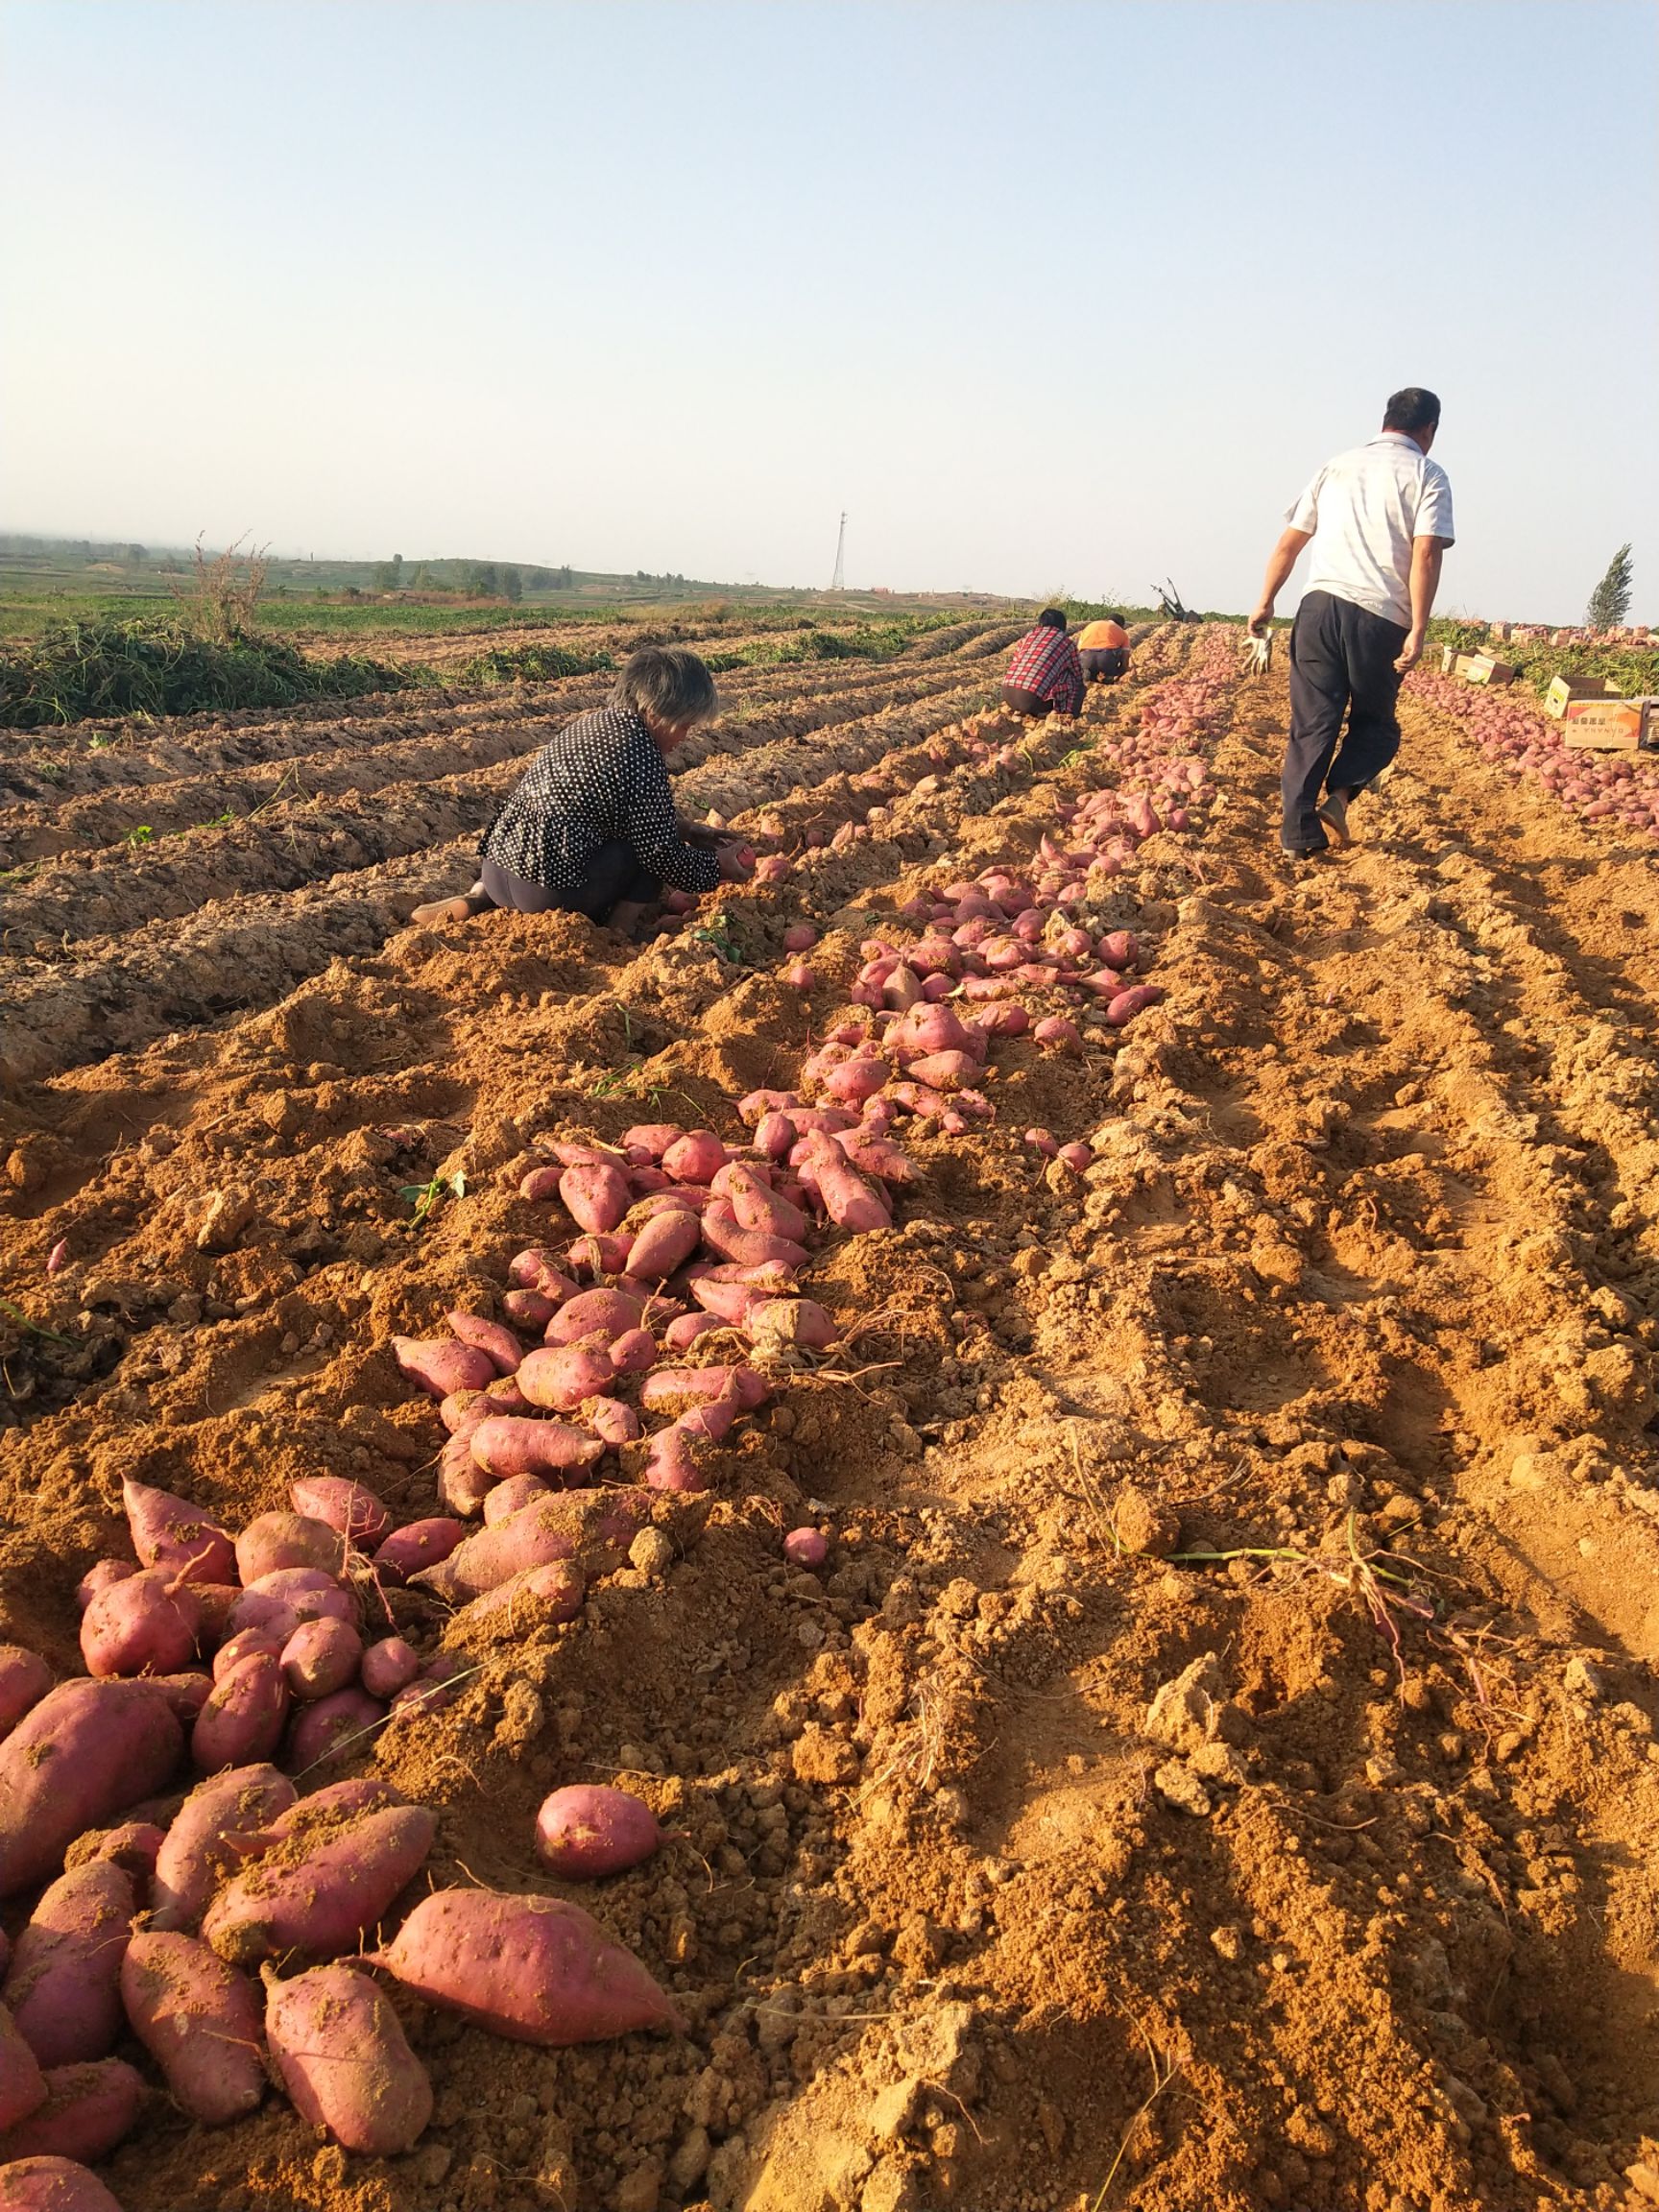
<point x="1218" y="1765"/>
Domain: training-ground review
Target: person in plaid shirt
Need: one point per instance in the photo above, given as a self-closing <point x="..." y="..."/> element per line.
<point x="1045" y="676"/>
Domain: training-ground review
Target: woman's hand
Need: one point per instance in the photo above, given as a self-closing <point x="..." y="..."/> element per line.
<point x="736" y="862"/>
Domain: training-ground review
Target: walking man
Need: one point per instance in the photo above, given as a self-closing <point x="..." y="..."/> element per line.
<point x="1379" y="519"/>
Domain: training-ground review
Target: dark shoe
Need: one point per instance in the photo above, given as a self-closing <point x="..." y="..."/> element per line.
<point x="1334" y="813"/>
<point x="462" y="909"/>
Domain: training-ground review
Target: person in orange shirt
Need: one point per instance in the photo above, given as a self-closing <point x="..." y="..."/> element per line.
<point x="1103" y="648"/>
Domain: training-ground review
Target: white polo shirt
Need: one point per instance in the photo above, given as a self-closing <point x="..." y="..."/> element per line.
<point x="1363" y="510"/>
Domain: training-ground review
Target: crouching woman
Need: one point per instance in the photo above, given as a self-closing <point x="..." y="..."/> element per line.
<point x="590" y="827"/>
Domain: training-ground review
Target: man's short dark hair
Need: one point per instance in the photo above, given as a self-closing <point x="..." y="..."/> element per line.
<point x="1411" y="411"/>
<point x="1051" y="618"/>
<point x="1114" y="616"/>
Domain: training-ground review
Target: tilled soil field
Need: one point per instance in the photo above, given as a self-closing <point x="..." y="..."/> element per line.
<point x="1215" y="1764"/>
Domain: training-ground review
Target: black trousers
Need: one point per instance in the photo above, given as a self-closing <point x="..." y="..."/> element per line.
<point x="613" y="874"/>
<point x="1102" y="664"/>
<point x="1019" y="700"/>
<point x="1342" y="663"/>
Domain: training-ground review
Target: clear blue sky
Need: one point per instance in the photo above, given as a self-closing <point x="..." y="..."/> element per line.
<point x="1043" y="294"/>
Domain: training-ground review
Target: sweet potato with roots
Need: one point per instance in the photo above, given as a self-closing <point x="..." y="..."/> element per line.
<point x="147" y="1624"/>
<point x="199" y="2020"/>
<point x="516" y="1444"/>
<point x="535" y="1969"/>
<point x="587" y="1831"/>
<point x="52" y="2185"/>
<point x="168" y="1532"/>
<point x="62" y="1987"/>
<point x="242" y="1721"/>
<point x="85" y="1751"/>
<point x="345" y="2062"/>
<point x="89" y="2109"/>
<point x="670" y="1389"/>
<point x="498" y="1345"/>
<point x="798" y="1322"/>
<point x="322" y="1902"/>
<point x="24" y="1680"/>
<point x="345" y="1506"/>
<point x="194" y="1856"/>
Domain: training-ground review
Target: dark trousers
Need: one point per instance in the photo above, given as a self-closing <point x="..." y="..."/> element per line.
<point x="1019" y="700"/>
<point x="1342" y="663"/>
<point x="1102" y="664"/>
<point x="613" y="874"/>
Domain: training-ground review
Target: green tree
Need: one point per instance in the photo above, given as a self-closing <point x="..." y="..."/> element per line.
<point x="1610" y="601"/>
<point x="511" y="585"/>
<point x="423" y="578"/>
<point x="397" y="571"/>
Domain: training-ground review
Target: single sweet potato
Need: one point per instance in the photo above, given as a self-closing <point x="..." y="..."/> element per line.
<point x="273" y="1541"/>
<point x="199" y="2020"/>
<point x="417" y="1545"/>
<point x="52" y="2185"/>
<point x="89" y="2109"/>
<point x="346" y="1507"/>
<point x="333" y="1724"/>
<point x="133" y="1845"/>
<point x="320" y="1902"/>
<point x="147" y="1624"/>
<point x="594" y="1527"/>
<point x="193" y="1856"/>
<point x="511" y="1496"/>
<point x="666" y="1241"/>
<point x="798" y="1321"/>
<point x="613" y="1421"/>
<point x="345" y="2062"/>
<point x="463" y="1485"/>
<point x="440" y="1364"/>
<point x="87" y="1750"/>
<point x="587" y="1831"/>
<point x="100" y="1575"/>
<point x="535" y="1969"/>
<point x="560" y="1378"/>
<point x="318" y="1814"/>
<point x="242" y="1722"/>
<point x="602" y="1312"/>
<point x="282" y="1599"/>
<point x="722" y="1234"/>
<point x="499" y="1345"/>
<point x="595" y="1195"/>
<point x="22" y="2085"/>
<point x="540" y="1597"/>
<point x="529" y="1309"/>
<point x="669" y="1462"/>
<point x="24" y="1680"/>
<point x="388" y="1666"/>
<point x="243" y="1645"/>
<point x="516" y="1444"/>
<point x="169" y="1531"/>
<point x="63" y="1990"/>
<point x="669" y="1388"/>
<point x="320" y="1658"/>
<point x="694" y="1158"/>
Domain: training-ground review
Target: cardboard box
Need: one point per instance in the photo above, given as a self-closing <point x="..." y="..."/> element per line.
<point x="1448" y="659"/>
<point x="1483" y="668"/>
<point x="1611" y="725"/>
<point x="1564" y="689"/>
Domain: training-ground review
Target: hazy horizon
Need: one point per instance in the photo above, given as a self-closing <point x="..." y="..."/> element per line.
<point x="1063" y="296"/>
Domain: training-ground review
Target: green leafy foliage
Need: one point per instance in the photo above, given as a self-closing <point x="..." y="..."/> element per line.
<point x="1610" y="601"/>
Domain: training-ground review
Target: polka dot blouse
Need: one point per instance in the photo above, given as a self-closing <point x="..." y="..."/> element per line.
<point x="601" y="779"/>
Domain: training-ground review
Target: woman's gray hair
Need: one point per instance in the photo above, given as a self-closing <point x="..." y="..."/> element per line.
<point x="665" y="684"/>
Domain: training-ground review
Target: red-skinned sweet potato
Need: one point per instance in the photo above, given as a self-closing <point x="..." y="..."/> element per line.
<point x="389" y="1666"/>
<point x="514" y="1444"/>
<point x="603" y="1313"/>
<point x="560" y="1378"/>
<point x="511" y="1496"/>
<point x="595" y="1526"/>
<point x="22" y="2084"/>
<point x="242" y="1722"/>
<point x="666" y="1241"/>
<point x="697" y="1157"/>
<point x="52" y="2185"/>
<point x="417" y="1545"/>
<point x="98" y="1577"/>
<point x="669" y="1462"/>
<point x="273" y="1541"/>
<point x="320" y="1658"/>
<point x="534" y="1599"/>
<point x="535" y="1969"/>
<point x="243" y="1645"/>
<point x="320" y="1902"/>
<point x="62" y="1986"/>
<point x="595" y="1195"/>
<point x="669" y="1388"/>
<point x="193" y="1855"/>
<point x="334" y="1726"/>
<point x="530" y="1309"/>
<point x="89" y="2109"/>
<point x="588" y="1830"/>
<point x="169" y="1531"/>
<point x="147" y="1624"/>
<point x="199" y="2020"/>
<point x="498" y="1344"/>
<point x="24" y="1680"/>
<point x="345" y="2062"/>
<point x="86" y="1751"/>
<point x="440" y="1364"/>
<point x="346" y="1506"/>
